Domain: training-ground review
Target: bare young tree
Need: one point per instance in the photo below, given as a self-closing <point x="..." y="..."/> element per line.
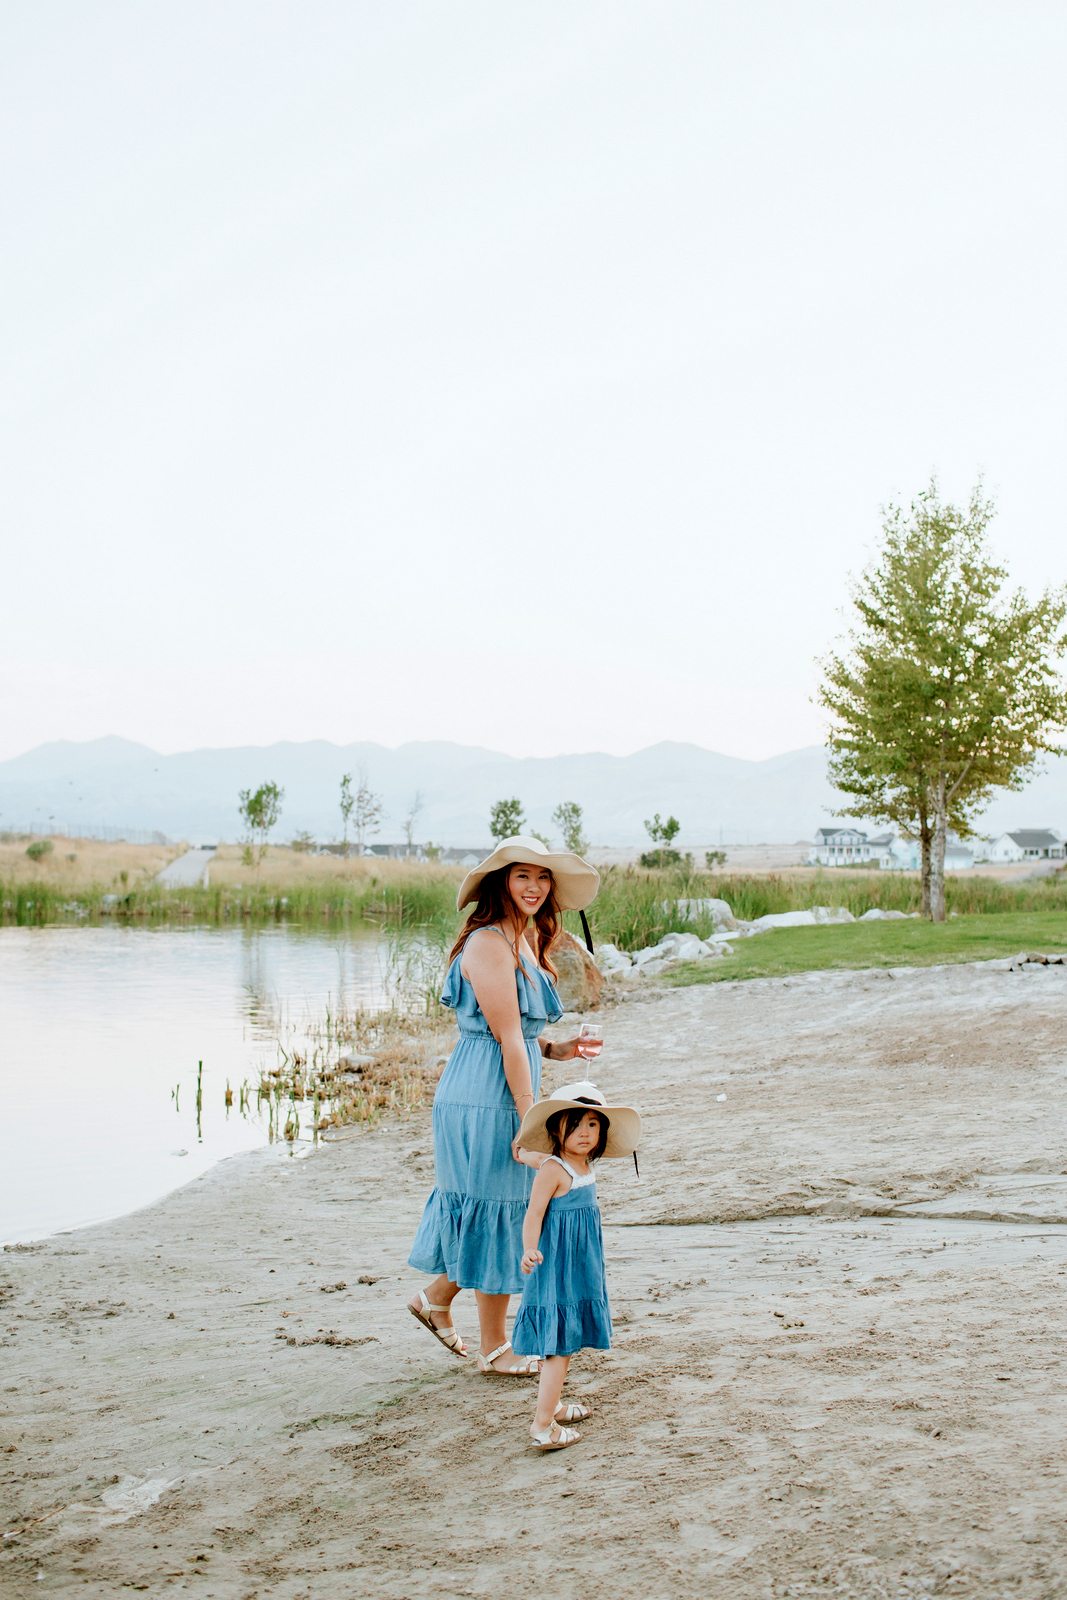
<point x="348" y="801"/>
<point x="412" y="817"/>
<point x="367" y="812"/>
<point x="568" y="819"/>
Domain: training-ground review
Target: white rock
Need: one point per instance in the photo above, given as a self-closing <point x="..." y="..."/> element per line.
<point x="651" y="952"/>
<point x="874" y="915"/>
<point x="610" y="959"/>
<point x="817" y="916"/>
<point x="682" y="946"/>
<point x="785" y="919"/>
<point x="832" y="914"/>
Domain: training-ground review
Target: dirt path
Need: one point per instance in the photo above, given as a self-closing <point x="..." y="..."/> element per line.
<point x="839" y="1365"/>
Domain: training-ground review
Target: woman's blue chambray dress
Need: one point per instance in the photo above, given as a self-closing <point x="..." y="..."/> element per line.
<point x="471" y="1229"/>
<point x="565" y="1300"/>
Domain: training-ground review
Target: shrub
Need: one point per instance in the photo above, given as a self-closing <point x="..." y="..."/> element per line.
<point x="658" y="859"/>
<point x="39" y="848"/>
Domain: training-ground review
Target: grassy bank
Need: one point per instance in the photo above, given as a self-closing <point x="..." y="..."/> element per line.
<point x="980" y="937"/>
<point x="633" y="909"/>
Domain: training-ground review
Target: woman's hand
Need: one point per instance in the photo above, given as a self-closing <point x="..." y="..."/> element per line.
<point x="561" y="1049"/>
<point x="529" y="1158"/>
<point x="531" y="1259"/>
<point x="526" y="1158"/>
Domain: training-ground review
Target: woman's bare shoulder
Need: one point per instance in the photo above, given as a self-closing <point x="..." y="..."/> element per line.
<point x="486" y="949"/>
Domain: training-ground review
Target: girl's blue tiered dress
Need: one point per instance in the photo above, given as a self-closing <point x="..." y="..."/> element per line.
<point x="565" y="1300"/>
<point x="471" y="1229"/>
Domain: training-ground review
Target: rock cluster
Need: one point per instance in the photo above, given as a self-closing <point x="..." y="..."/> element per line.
<point x="614" y="963"/>
<point x="646" y="963"/>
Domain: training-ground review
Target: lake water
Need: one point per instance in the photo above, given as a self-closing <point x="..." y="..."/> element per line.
<point x="99" y="1027"/>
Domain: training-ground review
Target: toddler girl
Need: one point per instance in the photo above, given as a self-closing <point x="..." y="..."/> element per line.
<point x="565" y="1298"/>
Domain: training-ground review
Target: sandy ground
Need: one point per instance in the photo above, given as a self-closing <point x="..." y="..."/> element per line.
<point x="838" y="1371"/>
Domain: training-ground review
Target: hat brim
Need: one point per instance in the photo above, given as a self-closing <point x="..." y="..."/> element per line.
<point x="576" y="882"/>
<point x="624" y="1130"/>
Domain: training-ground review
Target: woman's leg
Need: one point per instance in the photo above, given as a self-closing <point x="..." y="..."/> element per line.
<point x="440" y="1293"/>
<point x="493" y="1325"/>
<point x="549" y="1389"/>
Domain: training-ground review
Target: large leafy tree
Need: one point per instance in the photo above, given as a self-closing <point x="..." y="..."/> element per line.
<point x="949" y="687"/>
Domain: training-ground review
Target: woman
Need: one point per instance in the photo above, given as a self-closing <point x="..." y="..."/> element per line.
<point x="501" y="984"/>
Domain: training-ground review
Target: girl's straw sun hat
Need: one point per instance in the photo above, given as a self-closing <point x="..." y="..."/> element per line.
<point x="624" y="1133"/>
<point x="576" y="881"/>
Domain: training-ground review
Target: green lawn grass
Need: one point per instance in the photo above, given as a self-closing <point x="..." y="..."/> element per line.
<point x="908" y="943"/>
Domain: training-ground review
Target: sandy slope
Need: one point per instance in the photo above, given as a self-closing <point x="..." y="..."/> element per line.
<point x="897" y="1429"/>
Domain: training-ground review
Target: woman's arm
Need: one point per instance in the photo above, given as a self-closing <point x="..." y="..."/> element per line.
<point x="489" y="965"/>
<point x="548" y="1182"/>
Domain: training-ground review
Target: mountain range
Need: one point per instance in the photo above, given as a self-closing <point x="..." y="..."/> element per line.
<point x="193" y="794"/>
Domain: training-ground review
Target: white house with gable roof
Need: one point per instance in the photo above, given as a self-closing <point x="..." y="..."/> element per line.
<point x="1029" y="844"/>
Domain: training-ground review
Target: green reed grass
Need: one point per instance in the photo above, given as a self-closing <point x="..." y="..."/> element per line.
<point x="415" y="901"/>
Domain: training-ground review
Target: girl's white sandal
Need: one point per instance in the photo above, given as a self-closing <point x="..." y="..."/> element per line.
<point x="545" y="1441"/>
<point x="571" y="1413"/>
<point x="527" y="1366"/>
<point x="449" y="1336"/>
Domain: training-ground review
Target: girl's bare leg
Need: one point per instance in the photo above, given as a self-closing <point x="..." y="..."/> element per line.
<point x="549" y="1389"/>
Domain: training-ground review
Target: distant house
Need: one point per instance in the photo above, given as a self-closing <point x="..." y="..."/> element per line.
<point x="839" y="847"/>
<point x="905" y="855"/>
<point x="1028" y="844"/>
<point x="892" y="852"/>
<point x="458" y="855"/>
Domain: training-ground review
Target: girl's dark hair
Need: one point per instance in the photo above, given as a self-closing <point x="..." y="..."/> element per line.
<point x="561" y="1124"/>
<point x="496" y="905"/>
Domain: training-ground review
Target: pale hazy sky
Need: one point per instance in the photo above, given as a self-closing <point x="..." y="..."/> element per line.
<point x="528" y="375"/>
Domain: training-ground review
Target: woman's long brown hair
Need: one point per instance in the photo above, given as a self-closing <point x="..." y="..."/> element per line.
<point x="496" y="905"/>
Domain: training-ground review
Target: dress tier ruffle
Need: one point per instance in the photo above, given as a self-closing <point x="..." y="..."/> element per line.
<point x="471" y="1229"/>
<point x="565" y="1300"/>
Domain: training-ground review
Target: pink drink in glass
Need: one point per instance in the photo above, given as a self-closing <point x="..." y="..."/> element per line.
<point x="590" y="1041"/>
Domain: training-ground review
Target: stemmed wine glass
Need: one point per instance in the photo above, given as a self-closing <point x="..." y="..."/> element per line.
<point x="590" y="1040"/>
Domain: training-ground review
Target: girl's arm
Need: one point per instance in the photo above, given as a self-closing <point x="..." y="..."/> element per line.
<point x="530" y="1158"/>
<point x="489" y="963"/>
<point x="548" y="1182"/>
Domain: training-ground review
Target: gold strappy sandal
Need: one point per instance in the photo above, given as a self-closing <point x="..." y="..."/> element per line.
<point x="527" y="1367"/>
<point x="564" y="1436"/>
<point x="449" y="1336"/>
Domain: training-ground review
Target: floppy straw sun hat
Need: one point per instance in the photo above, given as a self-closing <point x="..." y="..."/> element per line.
<point x="576" y="881"/>
<point x="624" y="1133"/>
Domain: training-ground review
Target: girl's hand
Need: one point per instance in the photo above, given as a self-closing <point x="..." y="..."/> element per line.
<point x="531" y="1259"/>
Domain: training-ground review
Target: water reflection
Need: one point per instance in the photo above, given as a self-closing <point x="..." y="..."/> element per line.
<point x="130" y="1057"/>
